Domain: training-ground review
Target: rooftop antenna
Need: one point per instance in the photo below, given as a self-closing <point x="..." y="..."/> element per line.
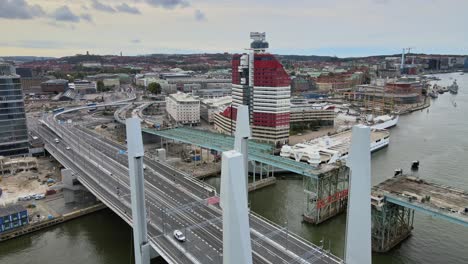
<point x="259" y="44"/>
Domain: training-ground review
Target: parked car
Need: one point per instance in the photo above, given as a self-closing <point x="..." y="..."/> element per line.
<point x="24" y="198"/>
<point x="179" y="235"/>
<point x="39" y="196"/>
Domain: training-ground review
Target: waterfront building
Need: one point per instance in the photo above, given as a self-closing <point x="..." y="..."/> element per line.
<point x="12" y="217"/>
<point x="260" y="82"/>
<point x="13" y="128"/>
<point x="315" y="115"/>
<point x="183" y="108"/>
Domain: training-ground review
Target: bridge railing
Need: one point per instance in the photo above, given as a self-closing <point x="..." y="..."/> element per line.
<point x="307" y="252"/>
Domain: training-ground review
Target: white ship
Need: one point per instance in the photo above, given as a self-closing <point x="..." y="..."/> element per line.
<point x="383" y="122"/>
<point x="329" y="149"/>
<point x="378" y="122"/>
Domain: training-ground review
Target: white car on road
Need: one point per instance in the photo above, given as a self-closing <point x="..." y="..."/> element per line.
<point x="179" y="235"/>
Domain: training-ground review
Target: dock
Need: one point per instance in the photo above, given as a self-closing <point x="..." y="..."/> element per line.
<point x="395" y="200"/>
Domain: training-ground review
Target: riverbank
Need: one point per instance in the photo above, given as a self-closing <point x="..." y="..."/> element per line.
<point x="415" y="107"/>
<point x="57" y="212"/>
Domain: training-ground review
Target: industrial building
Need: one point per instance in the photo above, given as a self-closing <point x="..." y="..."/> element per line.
<point x="83" y="87"/>
<point x="32" y="85"/>
<point x="183" y="108"/>
<point x="12" y="217"/>
<point x="313" y="115"/>
<point x="259" y="81"/>
<point x="111" y="82"/>
<point x="54" y="86"/>
<point x="301" y="84"/>
<point x="13" y="128"/>
<point x="212" y="92"/>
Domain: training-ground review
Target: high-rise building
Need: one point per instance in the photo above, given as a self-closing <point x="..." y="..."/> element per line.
<point x="13" y="129"/>
<point x="259" y="81"/>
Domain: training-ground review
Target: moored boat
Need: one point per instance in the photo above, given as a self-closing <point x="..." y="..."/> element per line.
<point x="453" y="88"/>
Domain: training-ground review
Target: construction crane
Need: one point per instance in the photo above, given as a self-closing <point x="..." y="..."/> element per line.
<point x="408" y="50"/>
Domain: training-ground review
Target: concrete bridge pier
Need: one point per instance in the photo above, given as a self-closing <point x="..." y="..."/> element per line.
<point x="154" y="254"/>
<point x="73" y="191"/>
<point x="326" y="195"/>
<point x="391" y="224"/>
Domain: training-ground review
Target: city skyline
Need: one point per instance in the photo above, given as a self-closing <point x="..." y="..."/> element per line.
<point x="332" y="28"/>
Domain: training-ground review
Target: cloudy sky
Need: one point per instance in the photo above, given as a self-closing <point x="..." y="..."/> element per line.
<point x="320" y="27"/>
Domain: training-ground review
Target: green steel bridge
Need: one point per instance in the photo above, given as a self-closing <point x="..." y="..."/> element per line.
<point x="259" y="152"/>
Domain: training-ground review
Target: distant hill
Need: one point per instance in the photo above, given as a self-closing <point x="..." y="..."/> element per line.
<point x="25" y="58"/>
<point x="312" y="58"/>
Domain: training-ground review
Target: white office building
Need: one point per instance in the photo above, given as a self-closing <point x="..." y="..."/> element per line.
<point x="183" y="108"/>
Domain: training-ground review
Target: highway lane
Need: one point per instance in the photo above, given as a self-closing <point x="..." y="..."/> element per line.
<point x="163" y="245"/>
<point x="206" y="253"/>
<point x="193" y="185"/>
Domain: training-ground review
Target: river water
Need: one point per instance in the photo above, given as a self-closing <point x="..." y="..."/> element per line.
<point x="437" y="137"/>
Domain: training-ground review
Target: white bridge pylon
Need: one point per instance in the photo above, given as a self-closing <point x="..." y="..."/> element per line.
<point x="358" y="223"/>
<point x="237" y="245"/>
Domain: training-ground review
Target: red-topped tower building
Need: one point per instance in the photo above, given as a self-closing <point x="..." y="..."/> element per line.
<point x="259" y="81"/>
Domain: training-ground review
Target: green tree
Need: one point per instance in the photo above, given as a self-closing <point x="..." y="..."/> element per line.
<point x="154" y="88"/>
<point x="100" y="86"/>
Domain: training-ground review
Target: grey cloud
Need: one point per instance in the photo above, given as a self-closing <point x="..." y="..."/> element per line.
<point x="168" y="4"/>
<point x="63" y="13"/>
<point x="199" y="15"/>
<point x="381" y="1"/>
<point x="86" y="17"/>
<point x="19" y="9"/>
<point x="127" y="9"/>
<point x="34" y="44"/>
<point x="62" y="25"/>
<point x="102" y="7"/>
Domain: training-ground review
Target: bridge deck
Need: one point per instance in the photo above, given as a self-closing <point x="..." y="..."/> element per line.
<point x="173" y="201"/>
<point x="438" y="200"/>
<point x="257" y="151"/>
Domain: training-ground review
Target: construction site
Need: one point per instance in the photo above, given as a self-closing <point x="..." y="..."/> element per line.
<point x="24" y="176"/>
<point x="35" y="184"/>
